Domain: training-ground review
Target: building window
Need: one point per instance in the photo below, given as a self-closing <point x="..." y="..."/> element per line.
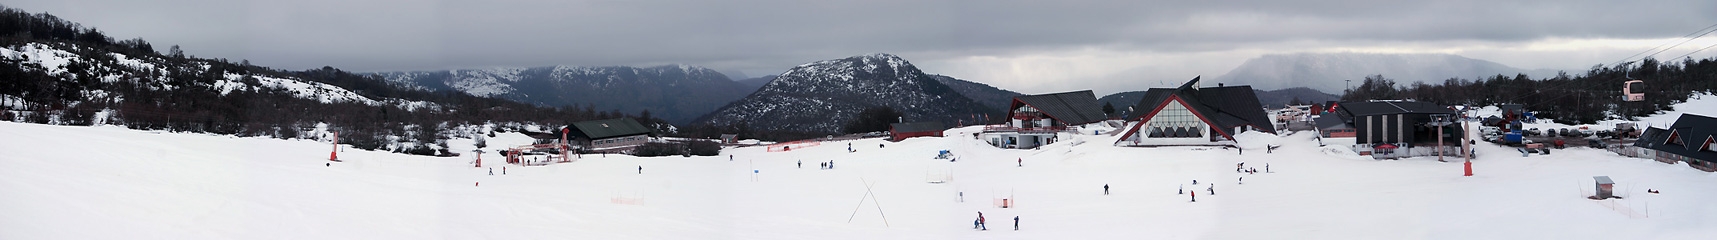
<point x="1175" y="121"/>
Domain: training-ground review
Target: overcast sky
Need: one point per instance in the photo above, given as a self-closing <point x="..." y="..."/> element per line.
<point x="1025" y="46"/>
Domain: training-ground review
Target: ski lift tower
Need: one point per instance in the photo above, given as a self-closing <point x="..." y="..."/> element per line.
<point x="1440" y="120"/>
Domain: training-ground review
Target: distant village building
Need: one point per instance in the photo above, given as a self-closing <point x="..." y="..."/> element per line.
<point x="609" y="135"/>
<point x="1194" y="115"/>
<point x="1334" y="127"/>
<point x="1034" y="120"/>
<point x="730" y="138"/>
<point x="902" y="131"/>
<point x="1395" y="128"/>
<point x="1689" y="140"/>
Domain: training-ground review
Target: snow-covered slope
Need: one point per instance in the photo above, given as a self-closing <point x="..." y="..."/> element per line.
<point x="822" y="96"/>
<point x="56" y="59"/>
<point x="154" y="185"/>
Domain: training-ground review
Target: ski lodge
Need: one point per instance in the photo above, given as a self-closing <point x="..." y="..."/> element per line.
<point x="1689" y="140"/>
<point x="902" y="131"/>
<point x="1390" y="129"/>
<point x="1194" y="115"/>
<point x="608" y="135"/>
<point x="1034" y="120"/>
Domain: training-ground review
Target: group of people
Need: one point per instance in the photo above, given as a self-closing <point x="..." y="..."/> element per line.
<point x="829" y="164"/>
<point x="1241" y="168"/>
<point x="979" y="223"/>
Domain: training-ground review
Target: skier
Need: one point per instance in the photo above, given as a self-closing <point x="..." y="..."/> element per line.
<point x="961" y="195"/>
<point x="730" y="157"/>
<point x="1182" y="190"/>
<point x="1021" y="162"/>
<point x="1194" y="196"/>
<point x="503" y="170"/>
<point x="1105" y="189"/>
<point x="1242" y="180"/>
<point x="1016" y="223"/>
<point x="1195" y="182"/>
<point x="640" y="169"/>
<point x="1266" y="168"/>
<point x="981" y="222"/>
<point x="1212" y="189"/>
<point x="491" y="171"/>
<point x="801" y="163"/>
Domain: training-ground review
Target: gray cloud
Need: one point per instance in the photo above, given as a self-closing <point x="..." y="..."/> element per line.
<point x="765" y="37"/>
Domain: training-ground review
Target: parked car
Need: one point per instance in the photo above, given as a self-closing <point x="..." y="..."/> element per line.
<point x="1562" y="132"/>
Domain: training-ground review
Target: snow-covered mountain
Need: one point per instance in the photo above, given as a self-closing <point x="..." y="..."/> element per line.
<point x="822" y="96"/>
<point x="69" y="64"/>
<point x="676" y="93"/>
<point x="1326" y="71"/>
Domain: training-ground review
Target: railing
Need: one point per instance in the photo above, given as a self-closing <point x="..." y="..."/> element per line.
<point x="1006" y="128"/>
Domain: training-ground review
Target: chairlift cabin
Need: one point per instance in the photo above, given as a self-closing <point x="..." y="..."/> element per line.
<point x="1634" y="90"/>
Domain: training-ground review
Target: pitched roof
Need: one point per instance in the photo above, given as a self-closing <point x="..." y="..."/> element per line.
<point x="606" y="128"/>
<point x="1073" y="108"/>
<point x="1692" y="129"/>
<point x="1331" y="122"/>
<point x="1227" y="107"/>
<point x="916" y="127"/>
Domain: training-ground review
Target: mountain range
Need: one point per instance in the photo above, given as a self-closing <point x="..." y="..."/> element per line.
<point x="676" y="93"/>
<point x="1326" y="72"/>
<point x="822" y="96"/>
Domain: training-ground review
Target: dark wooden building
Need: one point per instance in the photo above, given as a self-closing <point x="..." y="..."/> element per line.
<point x="902" y="131"/>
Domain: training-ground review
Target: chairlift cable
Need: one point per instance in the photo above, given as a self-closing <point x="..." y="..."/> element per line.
<point x="1706" y="29"/>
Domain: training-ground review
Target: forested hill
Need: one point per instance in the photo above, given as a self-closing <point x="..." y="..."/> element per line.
<point x="1590" y="97"/>
<point x="54" y="71"/>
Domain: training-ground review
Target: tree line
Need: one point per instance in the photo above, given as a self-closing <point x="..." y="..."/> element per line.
<point x="1593" y="96"/>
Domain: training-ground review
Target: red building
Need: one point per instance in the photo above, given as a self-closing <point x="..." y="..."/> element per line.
<point x="902" y="131"/>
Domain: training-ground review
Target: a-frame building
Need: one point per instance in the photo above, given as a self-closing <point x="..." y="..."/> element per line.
<point x="1193" y="115"/>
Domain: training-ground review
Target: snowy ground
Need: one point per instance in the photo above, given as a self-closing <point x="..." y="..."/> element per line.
<point x="59" y="182"/>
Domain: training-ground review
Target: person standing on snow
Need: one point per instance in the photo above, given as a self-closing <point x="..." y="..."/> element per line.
<point x="491" y="171"/>
<point x="1021" y="162"/>
<point x="640" y="169"/>
<point x="801" y="163"/>
<point x="1212" y="189"/>
<point x="1016" y="223"/>
<point x="981" y="222"/>
<point x="1105" y="189"/>
<point x="1194" y="196"/>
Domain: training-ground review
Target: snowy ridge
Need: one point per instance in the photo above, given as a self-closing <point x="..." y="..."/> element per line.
<point x="677" y="93"/>
<point x="822" y="96"/>
<point x="55" y="61"/>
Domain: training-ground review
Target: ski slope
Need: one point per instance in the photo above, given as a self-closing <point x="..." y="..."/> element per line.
<point x="59" y="182"/>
